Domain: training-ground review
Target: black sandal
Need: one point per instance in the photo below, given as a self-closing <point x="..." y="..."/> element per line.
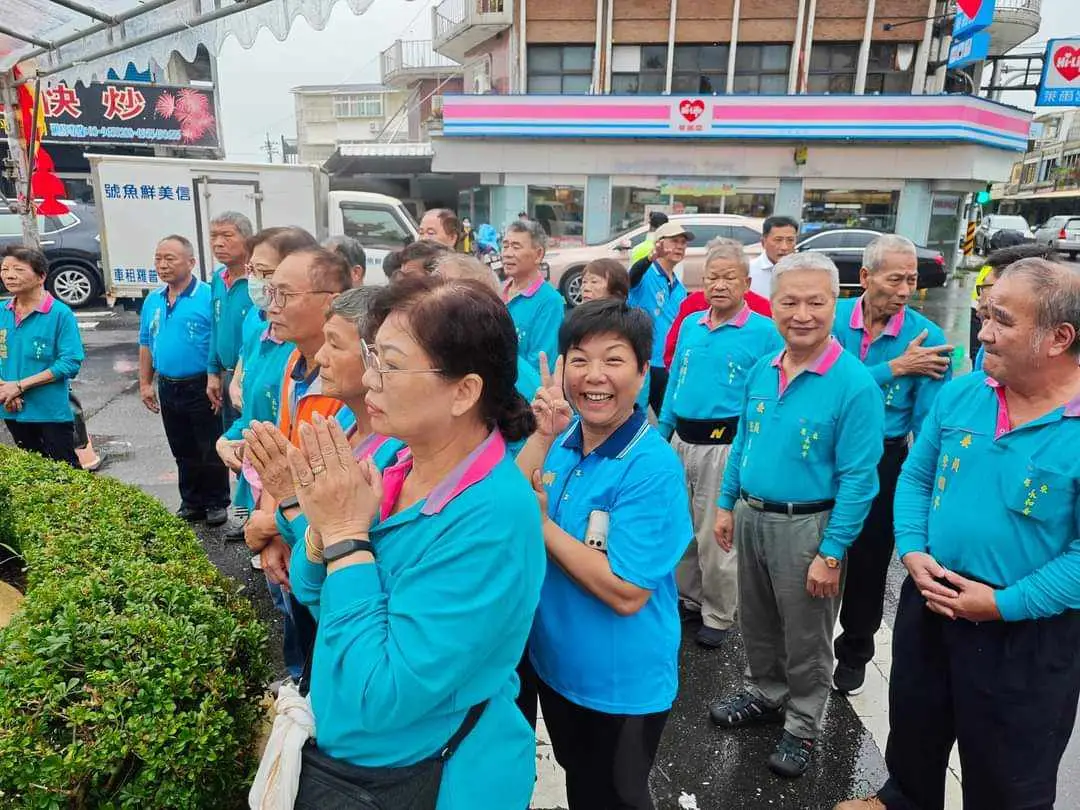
<point x="744" y="709"/>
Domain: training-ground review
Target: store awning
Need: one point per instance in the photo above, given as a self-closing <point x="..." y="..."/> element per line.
<point x="81" y="40"/>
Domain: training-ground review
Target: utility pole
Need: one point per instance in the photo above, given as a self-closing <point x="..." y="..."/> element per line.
<point x="271" y="148"/>
<point x="18" y="155"/>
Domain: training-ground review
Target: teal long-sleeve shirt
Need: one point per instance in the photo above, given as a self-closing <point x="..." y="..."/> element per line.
<point x="998" y="504"/>
<point x="818" y="437"/>
<point x="708" y="374"/>
<point x="435" y="625"/>
<point x="264" y="366"/>
<point x="230" y="303"/>
<point x="537" y="313"/>
<point x="908" y="398"/>
<point x="46" y="339"/>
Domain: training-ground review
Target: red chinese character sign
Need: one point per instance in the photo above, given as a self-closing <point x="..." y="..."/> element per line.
<point x="690" y="115"/>
<point x="122" y="103"/>
<point x="1060" y="83"/>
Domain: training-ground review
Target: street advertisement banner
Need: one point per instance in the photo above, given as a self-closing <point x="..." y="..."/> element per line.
<point x="1060" y="82"/>
<point x="130" y="114"/>
<point x="972" y="16"/>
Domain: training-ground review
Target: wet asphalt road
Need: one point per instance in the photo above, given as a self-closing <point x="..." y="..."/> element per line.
<point x="722" y="769"/>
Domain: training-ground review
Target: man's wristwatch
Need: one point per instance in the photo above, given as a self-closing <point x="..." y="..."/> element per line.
<point x="831" y="562"/>
<point x="344" y="548"/>
<point x="292" y="502"/>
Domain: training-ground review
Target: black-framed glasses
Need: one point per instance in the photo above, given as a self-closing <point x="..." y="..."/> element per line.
<point x="372" y="361"/>
<point x="281" y="298"/>
<point x="984" y="287"/>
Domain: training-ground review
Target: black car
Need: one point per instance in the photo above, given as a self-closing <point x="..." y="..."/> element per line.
<point x="71" y="245"/>
<point x="845" y="247"/>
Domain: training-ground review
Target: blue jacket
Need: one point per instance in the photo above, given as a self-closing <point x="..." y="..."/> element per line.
<point x="230" y="302"/>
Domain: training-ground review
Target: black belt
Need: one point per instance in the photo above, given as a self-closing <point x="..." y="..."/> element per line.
<point x="707" y="431"/>
<point x="896" y="441"/>
<point x="784" y="507"/>
<point x="176" y="380"/>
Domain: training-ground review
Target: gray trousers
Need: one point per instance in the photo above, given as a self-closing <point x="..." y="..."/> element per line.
<point x="707" y="575"/>
<point x="787" y="633"/>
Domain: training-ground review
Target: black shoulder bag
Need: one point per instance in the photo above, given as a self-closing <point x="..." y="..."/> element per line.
<point x="327" y="783"/>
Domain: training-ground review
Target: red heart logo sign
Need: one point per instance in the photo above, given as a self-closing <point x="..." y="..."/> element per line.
<point x="691" y="109"/>
<point x="1066" y="61"/>
<point x="970" y="7"/>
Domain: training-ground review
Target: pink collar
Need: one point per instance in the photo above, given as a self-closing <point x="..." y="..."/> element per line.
<point x="858" y="321"/>
<point x="369" y="446"/>
<point x="820" y="365"/>
<point x="473" y="468"/>
<point x="528" y="292"/>
<point x="1004" y="423"/>
<point x="738" y="320"/>
<point x="44" y="306"/>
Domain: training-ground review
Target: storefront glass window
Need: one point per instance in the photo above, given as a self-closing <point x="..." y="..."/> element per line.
<point x="849" y="208"/>
<point x="630" y="204"/>
<point x="745" y="203"/>
<point x="560" y="210"/>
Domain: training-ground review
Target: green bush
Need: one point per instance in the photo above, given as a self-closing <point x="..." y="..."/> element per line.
<point x="132" y="676"/>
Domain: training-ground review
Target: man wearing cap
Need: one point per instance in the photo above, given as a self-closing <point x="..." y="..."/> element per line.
<point x="797" y="487"/>
<point x="660" y="293"/>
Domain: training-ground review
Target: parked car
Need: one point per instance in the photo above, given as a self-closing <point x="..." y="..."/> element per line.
<point x="1062" y="233"/>
<point x="71" y="244"/>
<point x="565" y="266"/>
<point x="845" y="247"/>
<point x="992" y="223"/>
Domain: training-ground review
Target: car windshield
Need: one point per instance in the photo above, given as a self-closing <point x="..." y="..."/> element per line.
<point x="1010" y="223"/>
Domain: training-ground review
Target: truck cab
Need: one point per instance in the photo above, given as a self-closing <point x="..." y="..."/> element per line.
<point x="380" y="223"/>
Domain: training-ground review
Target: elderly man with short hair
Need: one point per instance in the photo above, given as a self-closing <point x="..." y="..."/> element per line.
<point x="230" y="302"/>
<point x="535" y="306"/>
<point x="907" y="355"/>
<point x="986" y="643"/>
<point x="797" y="487"/>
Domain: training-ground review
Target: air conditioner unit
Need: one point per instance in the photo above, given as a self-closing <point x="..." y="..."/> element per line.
<point x="374" y="126"/>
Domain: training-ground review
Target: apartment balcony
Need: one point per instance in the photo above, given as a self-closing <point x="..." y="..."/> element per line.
<point x="458" y="26"/>
<point x="408" y="61"/>
<point x="1014" y="22"/>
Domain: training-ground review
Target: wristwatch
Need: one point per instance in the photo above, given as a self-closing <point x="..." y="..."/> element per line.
<point x="344" y="548"/>
<point x="831" y="562"/>
<point x="290" y="502"/>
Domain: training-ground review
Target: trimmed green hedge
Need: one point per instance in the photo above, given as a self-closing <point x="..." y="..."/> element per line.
<point x="132" y="676"/>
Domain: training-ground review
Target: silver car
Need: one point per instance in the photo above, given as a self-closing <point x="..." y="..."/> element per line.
<point x="1062" y="233"/>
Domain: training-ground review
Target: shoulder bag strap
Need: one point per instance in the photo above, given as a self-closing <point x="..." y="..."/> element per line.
<point x="467" y="725"/>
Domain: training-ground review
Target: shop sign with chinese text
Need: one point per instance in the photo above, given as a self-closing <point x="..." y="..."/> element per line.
<point x="1060" y="83"/>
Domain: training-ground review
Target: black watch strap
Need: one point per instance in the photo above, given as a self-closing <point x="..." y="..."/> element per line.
<point x="344" y="548"/>
<point x="288" y="503"/>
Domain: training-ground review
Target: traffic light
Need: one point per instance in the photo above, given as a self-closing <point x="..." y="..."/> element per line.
<point x="983" y="197"/>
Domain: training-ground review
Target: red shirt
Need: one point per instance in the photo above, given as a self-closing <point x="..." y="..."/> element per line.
<point x="696" y="302"/>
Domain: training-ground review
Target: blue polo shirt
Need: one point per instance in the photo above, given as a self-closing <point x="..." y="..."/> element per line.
<point x="177" y="334"/>
<point x="434" y="626"/>
<point x="47" y="338"/>
<point x="537" y="313"/>
<point x="579" y="646"/>
<point x="231" y="303"/>
<point x="817" y="437"/>
<point x="996" y="503"/>
<point x="708" y="372"/>
<point x="908" y="398"/>
<point x="661" y="299"/>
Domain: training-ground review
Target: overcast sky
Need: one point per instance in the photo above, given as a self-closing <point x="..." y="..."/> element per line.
<point x="255" y="84"/>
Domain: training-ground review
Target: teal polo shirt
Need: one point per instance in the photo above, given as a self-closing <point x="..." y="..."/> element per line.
<point x="579" y="646"/>
<point x="661" y="299"/>
<point x="537" y="313"/>
<point x="996" y="503"/>
<point x="908" y="398"/>
<point x="46" y="339"/>
<point x="230" y="302"/>
<point x="711" y="363"/>
<point x="817" y="437"/>
<point x="177" y="334"/>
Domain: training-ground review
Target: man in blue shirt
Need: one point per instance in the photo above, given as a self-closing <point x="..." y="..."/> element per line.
<point x="660" y="293"/>
<point x="906" y="355"/>
<point x="535" y="306"/>
<point x="229" y="235"/>
<point x="174" y="341"/>
<point x="800" y="478"/>
<point x="713" y="355"/>
<point x="986" y="643"/>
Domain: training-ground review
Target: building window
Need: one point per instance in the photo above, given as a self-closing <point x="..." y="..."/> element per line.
<point x="849" y="208"/>
<point x="700" y="69"/>
<point x="560" y="210"/>
<point x="638" y="69"/>
<point x="631" y="205"/>
<point x="358" y="105"/>
<point x="833" y="67"/>
<point x="761" y="68"/>
<point x="560" y="68"/>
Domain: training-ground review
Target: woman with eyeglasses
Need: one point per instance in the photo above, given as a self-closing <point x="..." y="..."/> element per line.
<point x="426" y="572"/>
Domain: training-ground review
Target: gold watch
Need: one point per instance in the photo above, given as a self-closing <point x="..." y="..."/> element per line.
<point x="831" y="562"/>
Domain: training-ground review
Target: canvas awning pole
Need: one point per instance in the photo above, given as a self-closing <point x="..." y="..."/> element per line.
<point x="17" y="152"/>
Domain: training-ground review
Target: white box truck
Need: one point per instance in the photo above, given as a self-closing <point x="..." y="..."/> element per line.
<point x="140" y="200"/>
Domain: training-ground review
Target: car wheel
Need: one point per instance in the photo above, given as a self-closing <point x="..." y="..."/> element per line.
<point x="73" y="285"/>
<point x="1072" y="256"/>
<point x="570" y="287"/>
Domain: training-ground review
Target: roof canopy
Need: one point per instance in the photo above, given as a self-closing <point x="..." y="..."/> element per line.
<point x="82" y="39"/>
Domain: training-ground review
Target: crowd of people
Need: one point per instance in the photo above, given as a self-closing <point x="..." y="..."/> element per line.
<point x="470" y="505"/>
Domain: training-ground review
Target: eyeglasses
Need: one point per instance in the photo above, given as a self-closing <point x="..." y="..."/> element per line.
<point x="372" y="361"/>
<point x="981" y="288"/>
<point x="280" y="298"/>
<point x="260" y="269"/>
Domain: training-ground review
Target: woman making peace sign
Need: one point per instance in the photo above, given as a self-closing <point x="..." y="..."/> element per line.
<point x="605" y="640"/>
